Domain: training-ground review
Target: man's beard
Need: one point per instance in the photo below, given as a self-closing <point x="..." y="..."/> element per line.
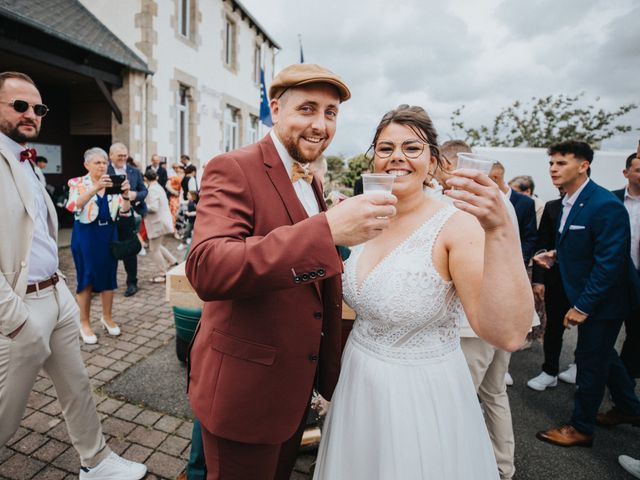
<point x="14" y="134"/>
<point x="297" y="155"/>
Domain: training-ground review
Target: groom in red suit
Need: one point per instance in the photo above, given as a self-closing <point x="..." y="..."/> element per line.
<point x="264" y="260"/>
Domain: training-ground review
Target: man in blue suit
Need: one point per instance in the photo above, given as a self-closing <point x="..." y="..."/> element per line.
<point x="118" y="154"/>
<point x="592" y="252"/>
<point x="630" y="197"/>
<point x="525" y="212"/>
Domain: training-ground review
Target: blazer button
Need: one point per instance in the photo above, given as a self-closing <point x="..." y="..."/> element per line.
<point x="317" y="314"/>
<point x="313" y="358"/>
<point x="321" y="272"/>
<point x="312" y="275"/>
<point x="297" y="279"/>
<point x="305" y="277"/>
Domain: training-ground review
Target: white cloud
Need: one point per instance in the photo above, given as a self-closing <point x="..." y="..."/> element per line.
<point x="484" y="54"/>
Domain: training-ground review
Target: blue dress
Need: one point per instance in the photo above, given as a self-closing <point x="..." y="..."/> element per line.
<point x="95" y="265"/>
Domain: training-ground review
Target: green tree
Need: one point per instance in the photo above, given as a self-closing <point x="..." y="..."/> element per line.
<point x="355" y="166"/>
<point x="543" y="121"/>
<point x="335" y="168"/>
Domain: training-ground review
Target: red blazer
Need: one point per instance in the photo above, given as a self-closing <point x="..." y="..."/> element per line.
<point x="270" y="279"/>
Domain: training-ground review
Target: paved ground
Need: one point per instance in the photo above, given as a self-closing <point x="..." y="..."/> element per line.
<point x="146" y="418"/>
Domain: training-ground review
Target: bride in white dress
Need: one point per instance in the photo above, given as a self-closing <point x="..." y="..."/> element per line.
<point x="405" y="406"/>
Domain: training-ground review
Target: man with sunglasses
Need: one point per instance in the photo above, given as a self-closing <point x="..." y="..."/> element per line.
<point x="39" y="318"/>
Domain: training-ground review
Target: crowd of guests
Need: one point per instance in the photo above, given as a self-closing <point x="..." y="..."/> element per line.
<point x="582" y="251"/>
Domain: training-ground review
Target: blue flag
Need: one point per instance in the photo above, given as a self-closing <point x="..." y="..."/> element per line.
<point x="265" y="111"/>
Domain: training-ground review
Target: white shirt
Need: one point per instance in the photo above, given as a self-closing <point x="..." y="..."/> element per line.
<point x="567" y="203"/>
<point x="632" y="205"/>
<point x="43" y="257"/>
<point x="303" y="190"/>
<point x="119" y="171"/>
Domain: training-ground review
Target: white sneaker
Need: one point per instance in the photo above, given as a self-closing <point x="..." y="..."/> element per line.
<point x="631" y="465"/>
<point x="181" y="246"/>
<point x="142" y="252"/>
<point x="114" y="467"/>
<point x="569" y="375"/>
<point x="508" y="379"/>
<point x="542" y="382"/>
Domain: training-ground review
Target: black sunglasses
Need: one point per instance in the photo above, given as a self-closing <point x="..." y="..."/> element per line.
<point x="21" y="106"/>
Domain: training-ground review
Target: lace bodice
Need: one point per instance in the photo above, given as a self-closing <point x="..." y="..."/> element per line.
<point x="405" y="309"/>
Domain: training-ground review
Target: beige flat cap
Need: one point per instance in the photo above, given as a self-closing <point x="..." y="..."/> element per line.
<point x="304" y="74"/>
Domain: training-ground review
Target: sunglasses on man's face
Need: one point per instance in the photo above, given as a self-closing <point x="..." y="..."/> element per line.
<point x="21" y="106"/>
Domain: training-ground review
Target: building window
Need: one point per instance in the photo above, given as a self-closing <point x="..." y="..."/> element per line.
<point x="184" y="17"/>
<point x="253" y="129"/>
<point x="230" y="141"/>
<point x="257" y="64"/>
<point x="182" y="143"/>
<point x="229" y="43"/>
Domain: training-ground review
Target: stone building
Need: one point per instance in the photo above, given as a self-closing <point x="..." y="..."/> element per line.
<point x="162" y="76"/>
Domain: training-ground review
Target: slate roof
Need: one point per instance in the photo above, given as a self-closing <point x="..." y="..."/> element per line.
<point x="70" y="21"/>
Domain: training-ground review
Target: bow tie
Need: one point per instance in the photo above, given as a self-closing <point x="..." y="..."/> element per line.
<point x="299" y="172"/>
<point x="28" y="154"/>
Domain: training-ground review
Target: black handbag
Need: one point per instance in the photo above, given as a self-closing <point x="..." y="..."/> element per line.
<point x="129" y="246"/>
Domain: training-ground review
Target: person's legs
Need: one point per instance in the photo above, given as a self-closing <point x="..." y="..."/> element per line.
<point x="106" y="297"/>
<point x="621" y="386"/>
<point x="21" y="359"/>
<point x="630" y="353"/>
<point x="71" y="381"/>
<point x="126" y="230"/>
<point x="155" y="252"/>
<point x="497" y="413"/>
<point x="596" y="338"/>
<point x="196" y="468"/>
<point x="84" y="302"/>
<point x="557" y="306"/>
<point x="169" y="258"/>
<point x="479" y="355"/>
<point x="229" y="460"/>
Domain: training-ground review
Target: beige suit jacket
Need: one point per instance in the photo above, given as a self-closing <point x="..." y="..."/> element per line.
<point x="16" y="233"/>
<point x="158" y="220"/>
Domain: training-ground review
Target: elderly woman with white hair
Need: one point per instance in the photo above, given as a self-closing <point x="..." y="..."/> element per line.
<point x="94" y="228"/>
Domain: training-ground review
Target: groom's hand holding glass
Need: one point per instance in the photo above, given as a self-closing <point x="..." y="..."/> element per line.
<point x="361" y="218"/>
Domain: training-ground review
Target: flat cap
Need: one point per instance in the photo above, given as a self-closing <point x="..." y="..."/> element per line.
<point x="303" y="74"/>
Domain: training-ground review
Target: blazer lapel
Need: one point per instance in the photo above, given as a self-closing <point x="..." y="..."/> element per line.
<point x="22" y="184"/>
<point x="281" y="181"/>
<point x="577" y="207"/>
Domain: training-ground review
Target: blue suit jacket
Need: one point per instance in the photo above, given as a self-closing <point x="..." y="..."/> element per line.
<point x="526" y="213"/>
<point x="593" y="255"/>
<point x="137" y="185"/>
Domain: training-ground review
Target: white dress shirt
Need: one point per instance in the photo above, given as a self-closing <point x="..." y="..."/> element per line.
<point x="567" y="203"/>
<point x="632" y="205"/>
<point x="43" y="258"/>
<point x="303" y="190"/>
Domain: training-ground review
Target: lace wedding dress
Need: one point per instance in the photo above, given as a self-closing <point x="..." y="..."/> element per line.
<point x="404" y="407"/>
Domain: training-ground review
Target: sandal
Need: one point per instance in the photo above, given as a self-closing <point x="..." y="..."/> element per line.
<point x="159" y="279"/>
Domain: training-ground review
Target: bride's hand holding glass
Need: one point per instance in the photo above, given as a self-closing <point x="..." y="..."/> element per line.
<point x="475" y="193"/>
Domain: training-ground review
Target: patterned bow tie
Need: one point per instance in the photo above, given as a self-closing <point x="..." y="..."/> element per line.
<point x="299" y="172"/>
<point x="28" y="154"/>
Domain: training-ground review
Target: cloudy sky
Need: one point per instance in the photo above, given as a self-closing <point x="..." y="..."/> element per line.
<point x="483" y="54"/>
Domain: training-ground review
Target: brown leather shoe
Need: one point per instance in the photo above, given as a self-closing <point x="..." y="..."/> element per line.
<point x="182" y="476"/>
<point x="615" y="417"/>
<point x="565" y="436"/>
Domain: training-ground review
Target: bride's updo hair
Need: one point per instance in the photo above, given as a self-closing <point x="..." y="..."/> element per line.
<point x="418" y="120"/>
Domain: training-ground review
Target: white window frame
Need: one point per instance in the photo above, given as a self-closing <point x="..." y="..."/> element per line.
<point x="184" y="18"/>
<point x="231" y="128"/>
<point x="254" y="125"/>
<point x="182" y="121"/>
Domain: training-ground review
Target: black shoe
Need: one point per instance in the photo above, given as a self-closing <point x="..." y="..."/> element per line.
<point x="131" y="291"/>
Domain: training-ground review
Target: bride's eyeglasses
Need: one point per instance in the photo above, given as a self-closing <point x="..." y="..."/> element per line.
<point x="410" y="149"/>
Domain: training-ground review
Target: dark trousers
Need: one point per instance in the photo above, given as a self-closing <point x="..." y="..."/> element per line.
<point x="230" y="460"/>
<point x="598" y="366"/>
<point x="556" y="306"/>
<point x="630" y="354"/>
<point x="125" y="231"/>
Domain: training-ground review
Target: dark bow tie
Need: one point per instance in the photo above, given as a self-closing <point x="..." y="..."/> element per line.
<point x="28" y="154"/>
